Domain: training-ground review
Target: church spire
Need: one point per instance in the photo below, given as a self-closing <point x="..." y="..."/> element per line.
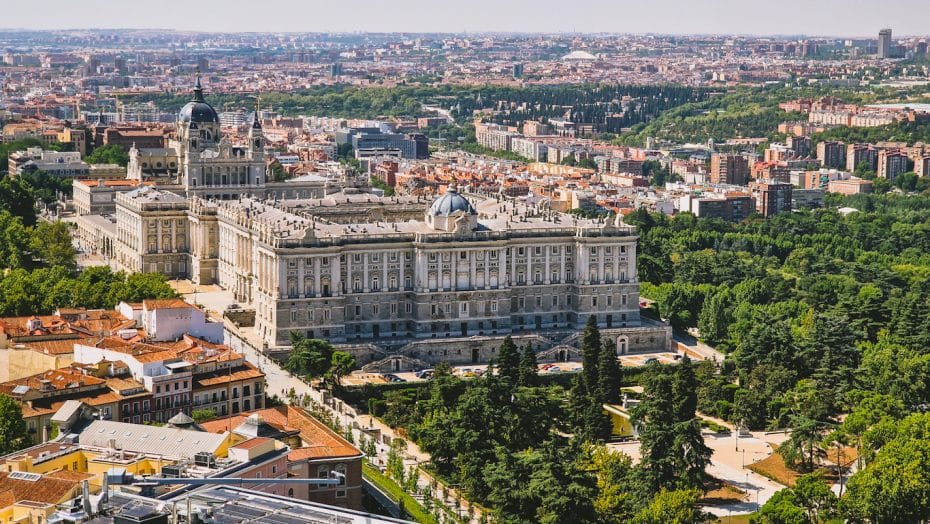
<point x="198" y="90"/>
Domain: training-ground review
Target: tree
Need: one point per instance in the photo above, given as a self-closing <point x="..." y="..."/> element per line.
<point x="782" y="508"/>
<point x="341" y="364"/>
<point x="51" y="244"/>
<point x="684" y="390"/>
<point x="508" y="362"/>
<point x="202" y="415"/>
<point x="673" y="507"/>
<point x="802" y="447"/>
<point x="529" y="368"/>
<point x="832" y="343"/>
<point x="14" y="435"/>
<point x="609" y="374"/>
<point x="309" y="357"/>
<point x="673" y="451"/>
<point x="17" y="198"/>
<point x="815" y="496"/>
<point x="566" y="488"/>
<point x="590" y="352"/>
<point x="108" y="154"/>
<point x="716" y="316"/>
<point x="615" y="500"/>
<point x="895" y="487"/>
<point x="655" y="421"/>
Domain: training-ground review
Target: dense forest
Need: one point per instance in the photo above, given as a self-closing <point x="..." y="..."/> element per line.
<point x="535" y="453"/>
<point x="823" y="315"/>
<point x="581" y="103"/>
<point x="753" y="112"/>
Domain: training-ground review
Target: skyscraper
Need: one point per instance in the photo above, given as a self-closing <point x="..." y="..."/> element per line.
<point x="884" y="43"/>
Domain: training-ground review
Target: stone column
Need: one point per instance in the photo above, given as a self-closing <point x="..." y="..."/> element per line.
<point x="384" y="271"/>
<point x="365" y="284"/>
<point x="546" y="278"/>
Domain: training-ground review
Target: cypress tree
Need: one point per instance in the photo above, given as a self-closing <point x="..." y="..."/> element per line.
<point x="684" y="390"/>
<point x="529" y="370"/>
<point x="590" y="351"/>
<point x="508" y="362"/>
<point x="609" y="374"/>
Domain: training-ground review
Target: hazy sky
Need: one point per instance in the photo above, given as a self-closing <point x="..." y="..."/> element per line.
<point x="814" y="17"/>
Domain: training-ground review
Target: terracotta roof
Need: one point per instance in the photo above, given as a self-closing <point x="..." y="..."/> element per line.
<point x="104" y="398"/>
<point x="319" y="440"/>
<point x="252" y="442"/>
<point x="246" y="372"/>
<point x="156" y="356"/>
<point x="167" y="303"/>
<point x="49" y="447"/>
<point x="51" y="347"/>
<point x="323" y="441"/>
<point x="48" y="489"/>
<point x="271" y="416"/>
<point x="59" y="379"/>
<point x="65" y="474"/>
<point x="84" y="323"/>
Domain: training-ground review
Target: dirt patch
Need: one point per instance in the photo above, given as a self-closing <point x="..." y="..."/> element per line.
<point x="717" y="492"/>
<point x="774" y="468"/>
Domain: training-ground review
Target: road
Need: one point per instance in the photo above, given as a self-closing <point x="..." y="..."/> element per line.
<point x="696" y="346"/>
<point x="281" y="382"/>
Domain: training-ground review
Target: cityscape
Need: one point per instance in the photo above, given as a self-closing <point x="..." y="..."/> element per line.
<point x="372" y="269"/>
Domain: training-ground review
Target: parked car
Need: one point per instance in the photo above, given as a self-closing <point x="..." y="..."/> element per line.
<point x="390" y="377"/>
<point x="650" y="360"/>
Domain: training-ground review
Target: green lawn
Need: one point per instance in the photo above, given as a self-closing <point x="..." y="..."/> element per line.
<point x="414" y="509"/>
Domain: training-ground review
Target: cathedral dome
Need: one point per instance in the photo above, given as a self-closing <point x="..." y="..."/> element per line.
<point x="198" y="110"/>
<point x="451" y="203"/>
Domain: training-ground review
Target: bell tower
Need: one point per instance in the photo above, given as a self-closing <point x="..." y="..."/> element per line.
<point x="256" y="138"/>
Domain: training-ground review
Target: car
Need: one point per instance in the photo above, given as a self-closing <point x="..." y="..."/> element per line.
<point x="425" y="374"/>
<point x="390" y="377"/>
<point x="651" y="360"/>
<point x="554" y="369"/>
<point x="677" y="357"/>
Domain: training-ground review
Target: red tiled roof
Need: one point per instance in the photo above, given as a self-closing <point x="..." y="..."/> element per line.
<point x="252" y="442"/>
<point x="48" y="489"/>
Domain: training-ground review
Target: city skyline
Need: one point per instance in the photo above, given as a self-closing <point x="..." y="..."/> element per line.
<point x="794" y="17"/>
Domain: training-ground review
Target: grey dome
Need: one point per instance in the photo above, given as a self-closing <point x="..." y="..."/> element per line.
<point x="198" y="110"/>
<point x="451" y="203"/>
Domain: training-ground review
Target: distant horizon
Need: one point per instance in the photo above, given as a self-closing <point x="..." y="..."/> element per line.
<point x="788" y="18"/>
<point x="469" y="32"/>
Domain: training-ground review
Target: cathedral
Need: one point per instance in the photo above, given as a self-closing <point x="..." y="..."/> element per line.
<point x="201" y="161"/>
